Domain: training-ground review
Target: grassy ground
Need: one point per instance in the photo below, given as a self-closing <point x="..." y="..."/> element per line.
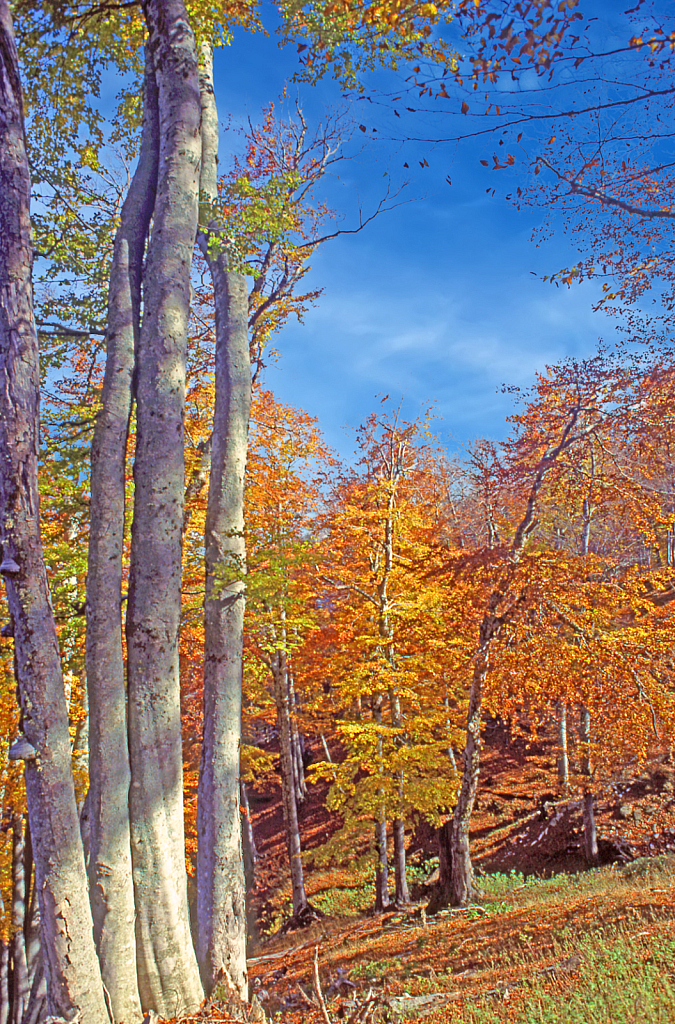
<point x="593" y="948"/>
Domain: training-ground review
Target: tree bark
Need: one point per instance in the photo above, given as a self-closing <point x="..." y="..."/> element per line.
<point x="4" y="982"/>
<point x="381" y="865"/>
<point x="74" y="979"/>
<point x="563" y="756"/>
<point x="20" y="990"/>
<point x="248" y="839"/>
<point x="401" y="881"/>
<point x="168" y="974"/>
<point x="462" y="888"/>
<point x="221" y="885"/>
<point x="290" y="806"/>
<point x="590" y="833"/>
<point x="296" y="743"/>
<point x="110" y="876"/>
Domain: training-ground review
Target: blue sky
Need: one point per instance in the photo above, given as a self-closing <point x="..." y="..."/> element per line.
<point x="438" y="301"/>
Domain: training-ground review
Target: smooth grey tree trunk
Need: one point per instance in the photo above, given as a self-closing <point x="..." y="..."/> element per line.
<point x="221" y="888"/>
<point x="563" y="753"/>
<point x="248" y="838"/>
<point x="20" y="988"/>
<point x="296" y="742"/>
<point x="110" y="877"/>
<point x="290" y="807"/>
<point x="4" y="982"/>
<point x="168" y="974"/>
<point x="590" y="832"/>
<point x="381" y="865"/>
<point x="74" y="978"/>
<point x="381" y="858"/>
<point x="401" y="880"/>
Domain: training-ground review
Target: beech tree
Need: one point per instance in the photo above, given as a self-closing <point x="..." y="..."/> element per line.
<point x="179" y="123"/>
<point x="287" y="453"/>
<point x="68" y="946"/>
<point x="391" y="661"/>
<point x="553" y="607"/>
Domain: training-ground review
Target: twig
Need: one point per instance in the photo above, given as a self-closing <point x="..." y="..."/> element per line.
<point x="317" y="987"/>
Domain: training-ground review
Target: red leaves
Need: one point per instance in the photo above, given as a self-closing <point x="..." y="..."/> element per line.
<point x="465" y="107"/>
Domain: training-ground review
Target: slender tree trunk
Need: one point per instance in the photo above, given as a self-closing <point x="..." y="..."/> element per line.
<point x="462" y="889"/>
<point x="290" y="806"/>
<point x="34" y="959"/>
<point x="381" y="861"/>
<point x="20" y="989"/>
<point x="4" y="982"/>
<point x="168" y="975"/>
<point x="451" y="753"/>
<point x="37" y="1003"/>
<point x="221" y="884"/>
<point x="249" y="847"/>
<point x="110" y="875"/>
<point x="296" y="743"/>
<point x="563" y="756"/>
<point x="381" y="865"/>
<point x="590" y="833"/>
<point x="74" y="976"/>
<point x="401" y="880"/>
<point x="444" y="887"/>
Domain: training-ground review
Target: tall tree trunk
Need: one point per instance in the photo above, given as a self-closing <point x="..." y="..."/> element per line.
<point x="74" y="977"/>
<point x="296" y="742"/>
<point x="221" y="886"/>
<point x="462" y="889"/>
<point x="590" y="833"/>
<point x="4" y="981"/>
<point x="168" y="974"/>
<point x="381" y="861"/>
<point x="401" y="880"/>
<point x="499" y="606"/>
<point x="563" y="755"/>
<point x="381" y="865"/>
<point x="248" y="839"/>
<point x="20" y="989"/>
<point x="290" y="806"/>
<point x="110" y="876"/>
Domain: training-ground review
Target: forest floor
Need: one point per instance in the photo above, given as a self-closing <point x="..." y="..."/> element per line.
<point x="549" y="940"/>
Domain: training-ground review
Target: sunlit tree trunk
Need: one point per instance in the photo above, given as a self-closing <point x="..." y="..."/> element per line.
<point x="401" y="880"/>
<point x="249" y="847"/>
<point x="563" y="757"/>
<point x="290" y="807"/>
<point x="381" y="865"/>
<point x="168" y="975"/>
<point x="75" y="986"/>
<point x="381" y="861"/>
<point x="398" y="825"/>
<point x="110" y="877"/>
<point x="20" y="990"/>
<point x="590" y="833"/>
<point x="221" y="906"/>
<point x="296" y="742"/>
<point x="4" y="981"/>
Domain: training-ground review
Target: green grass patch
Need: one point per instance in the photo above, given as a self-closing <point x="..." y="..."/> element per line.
<point x="623" y="978"/>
